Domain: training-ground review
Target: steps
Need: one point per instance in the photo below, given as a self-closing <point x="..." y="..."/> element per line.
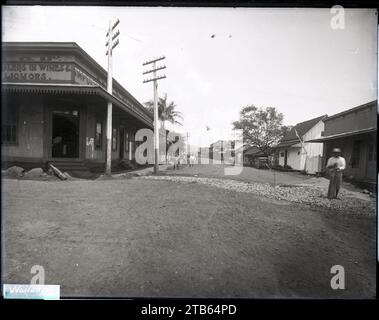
<point x="69" y="165"/>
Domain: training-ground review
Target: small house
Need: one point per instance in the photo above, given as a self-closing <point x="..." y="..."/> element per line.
<point x="294" y="152"/>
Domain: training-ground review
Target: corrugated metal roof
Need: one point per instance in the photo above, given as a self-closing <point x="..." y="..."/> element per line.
<point x="252" y="150"/>
<point x="302" y="128"/>
<point x="355" y="109"/>
<point x="287" y="144"/>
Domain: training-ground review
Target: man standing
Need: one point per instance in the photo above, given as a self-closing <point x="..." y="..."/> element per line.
<point x="192" y="160"/>
<point x="176" y="161"/>
<point x="336" y="164"/>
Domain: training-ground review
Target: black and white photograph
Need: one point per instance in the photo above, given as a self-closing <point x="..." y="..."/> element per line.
<point x="189" y="152"/>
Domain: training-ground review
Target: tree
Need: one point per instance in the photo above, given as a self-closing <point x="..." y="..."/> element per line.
<point x="166" y="111"/>
<point x="262" y="128"/>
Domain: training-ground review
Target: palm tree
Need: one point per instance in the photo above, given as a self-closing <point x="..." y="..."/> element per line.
<point x="166" y="111"/>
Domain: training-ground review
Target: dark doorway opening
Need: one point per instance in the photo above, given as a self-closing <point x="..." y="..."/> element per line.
<point x="65" y="137"/>
<point x="122" y="142"/>
<point x="285" y="157"/>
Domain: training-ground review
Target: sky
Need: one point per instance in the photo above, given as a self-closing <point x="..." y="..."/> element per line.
<point x="221" y="59"/>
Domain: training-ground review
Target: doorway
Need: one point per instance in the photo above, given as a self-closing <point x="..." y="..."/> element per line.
<point x="285" y="157"/>
<point x="122" y="143"/>
<point x="65" y="134"/>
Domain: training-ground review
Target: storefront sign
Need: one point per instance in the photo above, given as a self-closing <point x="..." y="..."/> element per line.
<point x="35" y="72"/>
<point x="83" y="78"/>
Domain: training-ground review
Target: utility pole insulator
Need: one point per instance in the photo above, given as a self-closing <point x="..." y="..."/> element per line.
<point x="116" y="35"/>
<point x="157" y="69"/>
<point x="154" y="79"/>
<point x="153" y="60"/>
<point x="115" y="44"/>
<point x="115" y="24"/>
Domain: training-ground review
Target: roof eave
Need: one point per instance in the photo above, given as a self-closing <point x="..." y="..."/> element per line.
<point x="76" y="50"/>
<point x="77" y="88"/>
<point x="342" y="135"/>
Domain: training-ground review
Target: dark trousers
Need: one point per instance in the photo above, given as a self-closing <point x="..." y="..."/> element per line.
<point x="335" y="180"/>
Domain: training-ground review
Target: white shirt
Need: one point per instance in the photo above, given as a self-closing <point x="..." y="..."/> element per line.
<point x="341" y="163"/>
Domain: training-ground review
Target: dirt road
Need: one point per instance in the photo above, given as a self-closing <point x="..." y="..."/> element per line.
<point x="136" y="237"/>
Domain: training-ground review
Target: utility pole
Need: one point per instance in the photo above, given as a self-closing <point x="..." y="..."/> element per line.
<point x="156" y="120"/>
<point x="188" y="149"/>
<point x="110" y="44"/>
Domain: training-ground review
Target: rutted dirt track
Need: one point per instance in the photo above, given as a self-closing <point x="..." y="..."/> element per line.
<point x="136" y="237"/>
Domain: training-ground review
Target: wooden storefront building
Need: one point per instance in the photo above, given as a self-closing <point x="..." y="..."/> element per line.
<point x="54" y="109"/>
<point x="354" y="132"/>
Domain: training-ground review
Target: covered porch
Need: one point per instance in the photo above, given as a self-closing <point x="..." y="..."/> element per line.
<point x="65" y="124"/>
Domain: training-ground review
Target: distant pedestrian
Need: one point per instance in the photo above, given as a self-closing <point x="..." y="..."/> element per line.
<point x="336" y="164"/>
<point x="192" y="160"/>
<point x="176" y="162"/>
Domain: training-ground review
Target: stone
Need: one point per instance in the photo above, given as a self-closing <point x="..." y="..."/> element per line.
<point x="311" y="195"/>
<point x="34" y="173"/>
<point x="16" y="172"/>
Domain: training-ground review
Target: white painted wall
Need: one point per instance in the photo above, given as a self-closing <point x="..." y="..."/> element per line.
<point x="293" y="158"/>
<point x="308" y="159"/>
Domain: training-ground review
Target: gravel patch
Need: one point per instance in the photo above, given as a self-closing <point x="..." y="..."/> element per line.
<point x="312" y="195"/>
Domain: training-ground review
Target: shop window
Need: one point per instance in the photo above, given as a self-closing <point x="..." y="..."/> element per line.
<point x="356" y="154"/>
<point x="114" y="139"/>
<point x="9" y="128"/>
<point x="99" y="134"/>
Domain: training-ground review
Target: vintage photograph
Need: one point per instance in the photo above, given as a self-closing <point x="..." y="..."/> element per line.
<point x="172" y="152"/>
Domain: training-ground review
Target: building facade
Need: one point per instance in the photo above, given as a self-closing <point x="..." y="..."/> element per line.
<point x="252" y="155"/>
<point x="296" y="153"/>
<point x="54" y="109"/>
<point x="354" y="132"/>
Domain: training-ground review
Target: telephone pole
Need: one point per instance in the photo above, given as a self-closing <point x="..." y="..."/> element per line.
<point x="188" y="148"/>
<point x="155" y="86"/>
<point x="111" y="43"/>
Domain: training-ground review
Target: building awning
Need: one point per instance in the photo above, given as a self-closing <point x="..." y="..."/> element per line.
<point x="286" y="144"/>
<point x="77" y="89"/>
<point x="253" y="152"/>
<point x="343" y="135"/>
